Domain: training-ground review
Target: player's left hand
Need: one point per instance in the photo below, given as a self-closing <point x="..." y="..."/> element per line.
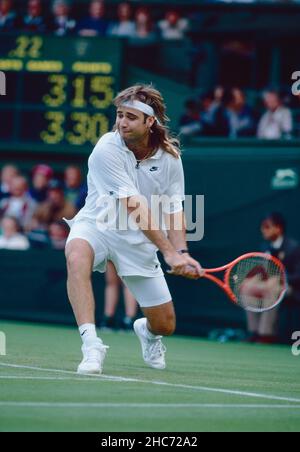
<point x="193" y="270"/>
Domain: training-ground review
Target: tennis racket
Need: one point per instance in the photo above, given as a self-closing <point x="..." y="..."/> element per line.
<point x="255" y="281"/>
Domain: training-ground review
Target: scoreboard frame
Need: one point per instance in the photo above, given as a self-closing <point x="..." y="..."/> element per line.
<point x="59" y="91"/>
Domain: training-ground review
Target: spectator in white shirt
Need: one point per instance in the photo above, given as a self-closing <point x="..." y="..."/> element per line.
<point x="8" y="172"/>
<point x="63" y="23"/>
<point x="11" y="238"/>
<point x="173" y="26"/>
<point x="277" y="122"/>
<point x="124" y="27"/>
<point x="19" y="205"/>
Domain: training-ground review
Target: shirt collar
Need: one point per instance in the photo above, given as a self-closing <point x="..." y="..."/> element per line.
<point x="278" y="243"/>
<point x="156" y="156"/>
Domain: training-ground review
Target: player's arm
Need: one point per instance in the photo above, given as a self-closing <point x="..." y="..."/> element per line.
<point x="176" y="226"/>
<point x="178" y="263"/>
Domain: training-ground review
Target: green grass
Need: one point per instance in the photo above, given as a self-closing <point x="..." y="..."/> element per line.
<point x="196" y="370"/>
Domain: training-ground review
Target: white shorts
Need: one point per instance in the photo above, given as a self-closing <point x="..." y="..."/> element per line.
<point x="148" y="292"/>
<point x="137" y="265"/>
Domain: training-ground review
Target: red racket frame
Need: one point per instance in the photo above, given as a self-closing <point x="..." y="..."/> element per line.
<point x="227" y="268"/>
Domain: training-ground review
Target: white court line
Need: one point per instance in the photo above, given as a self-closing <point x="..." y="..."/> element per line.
<point x="160" y="383"/>
<point x="140" y="405"/>
<point x="22" y="377"/>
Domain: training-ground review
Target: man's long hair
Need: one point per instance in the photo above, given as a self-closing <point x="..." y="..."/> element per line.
<point x="160" y="136"/>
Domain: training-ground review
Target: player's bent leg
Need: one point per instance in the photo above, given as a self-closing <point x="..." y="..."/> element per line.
<point x="161" y="319"/>
<point x="80" y="259"/>
<point x="153" y="349"/>
<point x="154" y="299"/>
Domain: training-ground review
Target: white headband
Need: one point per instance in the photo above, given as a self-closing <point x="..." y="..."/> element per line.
<point x="137" y="105"/>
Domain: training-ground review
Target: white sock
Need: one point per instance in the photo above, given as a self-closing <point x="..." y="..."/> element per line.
<point x="88" y="332"/>
<point x="148" y="333"/>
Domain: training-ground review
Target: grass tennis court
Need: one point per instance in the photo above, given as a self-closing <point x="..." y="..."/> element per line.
<point x="206" y="387"/>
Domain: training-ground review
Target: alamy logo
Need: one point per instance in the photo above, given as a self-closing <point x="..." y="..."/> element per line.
<point x="296" y="85"/>
<point x="296" y="345"/>
<point x="112" y="215"/>
<point x="2" y="84"/>
<point x="2" y="344"/>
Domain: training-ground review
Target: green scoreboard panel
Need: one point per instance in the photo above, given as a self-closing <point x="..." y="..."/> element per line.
<point x="59" y="91"/>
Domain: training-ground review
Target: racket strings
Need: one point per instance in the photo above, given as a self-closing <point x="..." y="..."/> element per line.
<point x="258" y="283"/>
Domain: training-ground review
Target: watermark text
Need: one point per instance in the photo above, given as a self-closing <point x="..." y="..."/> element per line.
<point x="296" y="85"/>
<point x="2" y="344"/>
<point x="2" y="84"/>
<point x="115" y="215"/>
<point x="296" y="345"/>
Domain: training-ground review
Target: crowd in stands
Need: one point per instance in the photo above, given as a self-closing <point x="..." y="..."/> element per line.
<point x="92" y="19"/>
<point x="227" y="113"/>
<point x="31" y="211"/>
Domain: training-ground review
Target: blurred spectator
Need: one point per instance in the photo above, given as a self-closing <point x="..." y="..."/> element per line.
<point x="11" y="237"/>
<point x="241" y="118"/>
<point x="189" y="124"/>
<point x="63" y="23"/>
<point x="8" y="173"/>
<point x="264" y="327"/>
<point x="125" y="27"/>
<point x="208" y="104"/>
<point x="214" y="115"/>
<point x="144" y="28"/>
<point x="54" y="208"/>
<point x="173" y="26"/>
<point x="58" y="234"/>
<point x="75" y="189"/>
<point x="277" y="122"/>
<point x="218" y="94"/>
<point x="34" y="21"/>
<point x="7" y="16"/>
<point x="41" y="176"/>
<point x="19" y="205"/>
<point x="95" y="24"/>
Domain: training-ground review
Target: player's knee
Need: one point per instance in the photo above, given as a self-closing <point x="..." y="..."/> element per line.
<point x="166" y="330"/>
<point x="77" y="263"/>
<point x="167" y="327"/>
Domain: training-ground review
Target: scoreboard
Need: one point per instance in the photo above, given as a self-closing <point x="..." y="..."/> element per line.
<point x="59" y="91"/>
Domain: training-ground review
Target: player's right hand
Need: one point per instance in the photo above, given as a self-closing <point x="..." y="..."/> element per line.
<point x="183" y="265"/>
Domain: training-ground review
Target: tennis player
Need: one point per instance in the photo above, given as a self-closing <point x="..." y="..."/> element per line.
<point x="129" y="165"/>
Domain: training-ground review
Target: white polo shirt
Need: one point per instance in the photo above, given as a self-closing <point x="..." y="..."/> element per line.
<point x="113" y="173"/>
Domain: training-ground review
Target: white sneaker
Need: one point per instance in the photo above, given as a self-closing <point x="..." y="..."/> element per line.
<point x="153" y="349"/>
<point x="93" y="356"/>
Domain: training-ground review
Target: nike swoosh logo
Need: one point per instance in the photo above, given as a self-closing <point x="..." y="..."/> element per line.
<point x="83" y="333"/>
